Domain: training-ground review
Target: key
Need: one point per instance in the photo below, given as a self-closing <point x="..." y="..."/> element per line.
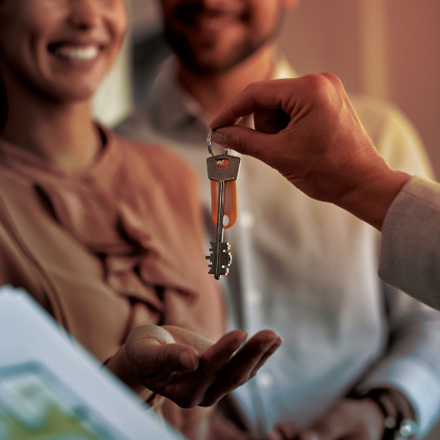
<point x="222" y="171"/>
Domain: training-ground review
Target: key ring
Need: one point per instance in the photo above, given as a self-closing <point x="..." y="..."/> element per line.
<point x="209" y="143"/>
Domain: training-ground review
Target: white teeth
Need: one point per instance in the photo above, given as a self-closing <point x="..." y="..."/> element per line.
<point x="77" y="53"/>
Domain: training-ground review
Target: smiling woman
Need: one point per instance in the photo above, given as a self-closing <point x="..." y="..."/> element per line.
<point x="47" y="46"/>
<point x="95" y="229"/>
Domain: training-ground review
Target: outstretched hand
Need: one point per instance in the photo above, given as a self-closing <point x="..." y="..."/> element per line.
<point x="307" y="129"/>
<point x="188" y="368"/>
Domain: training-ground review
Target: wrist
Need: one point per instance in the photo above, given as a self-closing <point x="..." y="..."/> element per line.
<point x="370" y="200"/>
<point x="399" y="420"/>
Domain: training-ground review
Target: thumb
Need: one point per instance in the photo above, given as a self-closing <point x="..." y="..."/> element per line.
<point x="244" y="140"/>
<point x="153" y="356"/>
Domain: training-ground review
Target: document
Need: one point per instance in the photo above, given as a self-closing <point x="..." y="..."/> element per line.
<point x="52" y="388"/>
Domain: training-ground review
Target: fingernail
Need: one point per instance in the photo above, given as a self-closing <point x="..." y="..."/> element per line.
<point x="218" y="137"/>
<point x="187" y="360"/>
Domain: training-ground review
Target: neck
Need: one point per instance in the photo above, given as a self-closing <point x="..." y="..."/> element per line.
<point x="212" y="91"/>
<point x="62" y="134"/>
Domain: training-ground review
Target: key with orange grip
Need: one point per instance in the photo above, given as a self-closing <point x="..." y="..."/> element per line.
<point x="223" y="172"/>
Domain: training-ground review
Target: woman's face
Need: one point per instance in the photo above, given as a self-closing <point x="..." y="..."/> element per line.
<point x="59" y="49"/>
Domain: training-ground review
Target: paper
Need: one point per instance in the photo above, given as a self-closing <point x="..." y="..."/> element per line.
<point x="52" y="388"/>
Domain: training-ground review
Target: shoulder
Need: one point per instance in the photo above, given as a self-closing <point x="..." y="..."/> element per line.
<point x="378" y="115"/>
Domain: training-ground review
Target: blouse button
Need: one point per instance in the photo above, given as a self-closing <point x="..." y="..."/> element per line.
<point x="246" y="220"/>
<point x="255" y="297"/>
<point x="265" y="379"/>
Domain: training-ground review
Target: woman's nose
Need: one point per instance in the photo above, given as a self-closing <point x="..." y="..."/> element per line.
<point x="85" y="14"/>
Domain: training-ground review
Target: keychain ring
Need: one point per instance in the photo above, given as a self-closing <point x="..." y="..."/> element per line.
<point x="209" y="143"/>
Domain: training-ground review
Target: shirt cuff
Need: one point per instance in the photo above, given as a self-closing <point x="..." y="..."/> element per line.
<point x="416" y="382"/>
<point x="410" y="247"/>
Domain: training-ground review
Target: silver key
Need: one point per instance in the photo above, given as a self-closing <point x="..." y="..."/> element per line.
<point x="220" y="256"/>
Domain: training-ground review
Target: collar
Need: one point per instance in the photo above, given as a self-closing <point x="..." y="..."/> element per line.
<point x="28" y="164"/>
<point x="171" y="107"/>
<point x="283" y="69"/>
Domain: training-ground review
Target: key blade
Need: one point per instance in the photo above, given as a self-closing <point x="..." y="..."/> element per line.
<point x="220" y="259"/>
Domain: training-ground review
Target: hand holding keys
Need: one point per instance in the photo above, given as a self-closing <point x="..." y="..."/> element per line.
<point x="223" y="172"/>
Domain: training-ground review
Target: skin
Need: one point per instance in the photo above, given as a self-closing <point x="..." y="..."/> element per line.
<point x="307" y="129"/>
<point x="53" y="56"/>
<point x="49" y="91"/>
<point x="189" y="369"/>
<point x="348" y="419"/>
<point x="224" y="45"/>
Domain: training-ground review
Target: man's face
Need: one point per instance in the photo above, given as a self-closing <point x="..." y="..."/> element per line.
<point x="212" y="36"/>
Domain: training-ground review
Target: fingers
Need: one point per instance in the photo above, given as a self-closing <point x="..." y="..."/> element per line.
<point x="189" y="388"/>
<point x="266" y="95"/>
<point x="272" y="349"/>
<point x="148" y="356"/>
<point x="255" y="352"/>
<point x="215" y="357"/>
<point x="271" y="121"/>
<point x="172" y="357"/>
<point x="243" y="365"/>
<point x="151" y="331"/>
<point x="244" y="140"/>
<point x="187" y="337"/>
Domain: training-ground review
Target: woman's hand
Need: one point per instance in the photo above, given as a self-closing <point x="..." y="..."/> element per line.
<point x="188" y="368"/>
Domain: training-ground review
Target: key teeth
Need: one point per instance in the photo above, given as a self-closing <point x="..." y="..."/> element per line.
<point x="225" y="258"/>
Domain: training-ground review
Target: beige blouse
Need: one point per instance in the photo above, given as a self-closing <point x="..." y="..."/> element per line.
<point x="110" y="249"/>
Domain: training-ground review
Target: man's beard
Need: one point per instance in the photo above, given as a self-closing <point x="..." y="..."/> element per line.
<point x="190" y="61"/>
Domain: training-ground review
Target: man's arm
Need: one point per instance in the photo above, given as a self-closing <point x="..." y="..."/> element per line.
<point x="410" y="245"/>
<point x="307" y="129"/>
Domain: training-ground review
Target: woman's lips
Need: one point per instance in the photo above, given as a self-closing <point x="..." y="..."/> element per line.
<point x="76" y="52"/>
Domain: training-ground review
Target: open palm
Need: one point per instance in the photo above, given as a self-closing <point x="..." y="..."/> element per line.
<point x="189" y="369"/>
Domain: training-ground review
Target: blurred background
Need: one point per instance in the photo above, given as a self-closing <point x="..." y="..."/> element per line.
<point x="386" y="48"/>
